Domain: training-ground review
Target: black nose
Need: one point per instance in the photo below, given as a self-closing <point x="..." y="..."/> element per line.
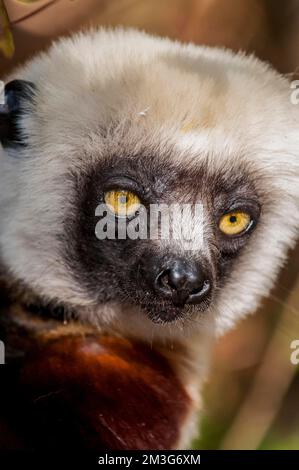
<point x="183" y="282"/>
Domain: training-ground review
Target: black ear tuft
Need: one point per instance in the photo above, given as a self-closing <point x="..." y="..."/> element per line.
<point x="17" y="94"/>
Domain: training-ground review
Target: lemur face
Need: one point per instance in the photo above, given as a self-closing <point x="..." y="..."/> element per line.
<point x="126" y="120"/>
<point x="165" y="277"/>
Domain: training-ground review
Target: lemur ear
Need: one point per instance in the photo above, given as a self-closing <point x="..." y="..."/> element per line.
<point x="17" y="95"/>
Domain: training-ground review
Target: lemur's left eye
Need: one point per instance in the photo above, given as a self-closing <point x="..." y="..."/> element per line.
<point x="121" y="202"/>
<point x="235" y="223"/>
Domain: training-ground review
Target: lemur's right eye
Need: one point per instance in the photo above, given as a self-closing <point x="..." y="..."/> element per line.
<point x="121" y="202"/>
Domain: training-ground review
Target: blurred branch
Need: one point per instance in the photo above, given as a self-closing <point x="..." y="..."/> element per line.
<point x="6" y="37"/>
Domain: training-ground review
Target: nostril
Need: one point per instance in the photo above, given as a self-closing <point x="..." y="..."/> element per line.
<point x="164" y="284"/>
<point x="165" y="279"/>
<point x="197" y="295"/>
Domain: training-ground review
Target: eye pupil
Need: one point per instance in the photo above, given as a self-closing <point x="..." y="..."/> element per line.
<point x="233" y="219"/>
<point x="123" y="199"/>
<point x="122" y="202"/>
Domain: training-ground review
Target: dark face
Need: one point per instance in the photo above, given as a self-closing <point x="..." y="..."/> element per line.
<point x="167" y="282"/>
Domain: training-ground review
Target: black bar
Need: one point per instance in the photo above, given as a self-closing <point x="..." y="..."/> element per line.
<point x="137" y="459"/>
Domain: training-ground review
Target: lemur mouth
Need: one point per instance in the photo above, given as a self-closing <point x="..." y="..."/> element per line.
<point x="167" y="312"/>
<point x="163" y="314"/>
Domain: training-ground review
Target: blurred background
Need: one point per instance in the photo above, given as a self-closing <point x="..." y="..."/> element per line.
<point x="252" y="397"/>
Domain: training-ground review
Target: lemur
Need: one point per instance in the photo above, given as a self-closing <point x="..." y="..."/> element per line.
<point x="115" y="334"/>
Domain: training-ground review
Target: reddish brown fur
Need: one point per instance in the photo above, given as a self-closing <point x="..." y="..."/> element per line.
<point x="102" y="393"/>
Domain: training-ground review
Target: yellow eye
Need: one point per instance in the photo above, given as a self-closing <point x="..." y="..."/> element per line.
<point x="234" y="223"/>
<point x="121" y="202"/>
